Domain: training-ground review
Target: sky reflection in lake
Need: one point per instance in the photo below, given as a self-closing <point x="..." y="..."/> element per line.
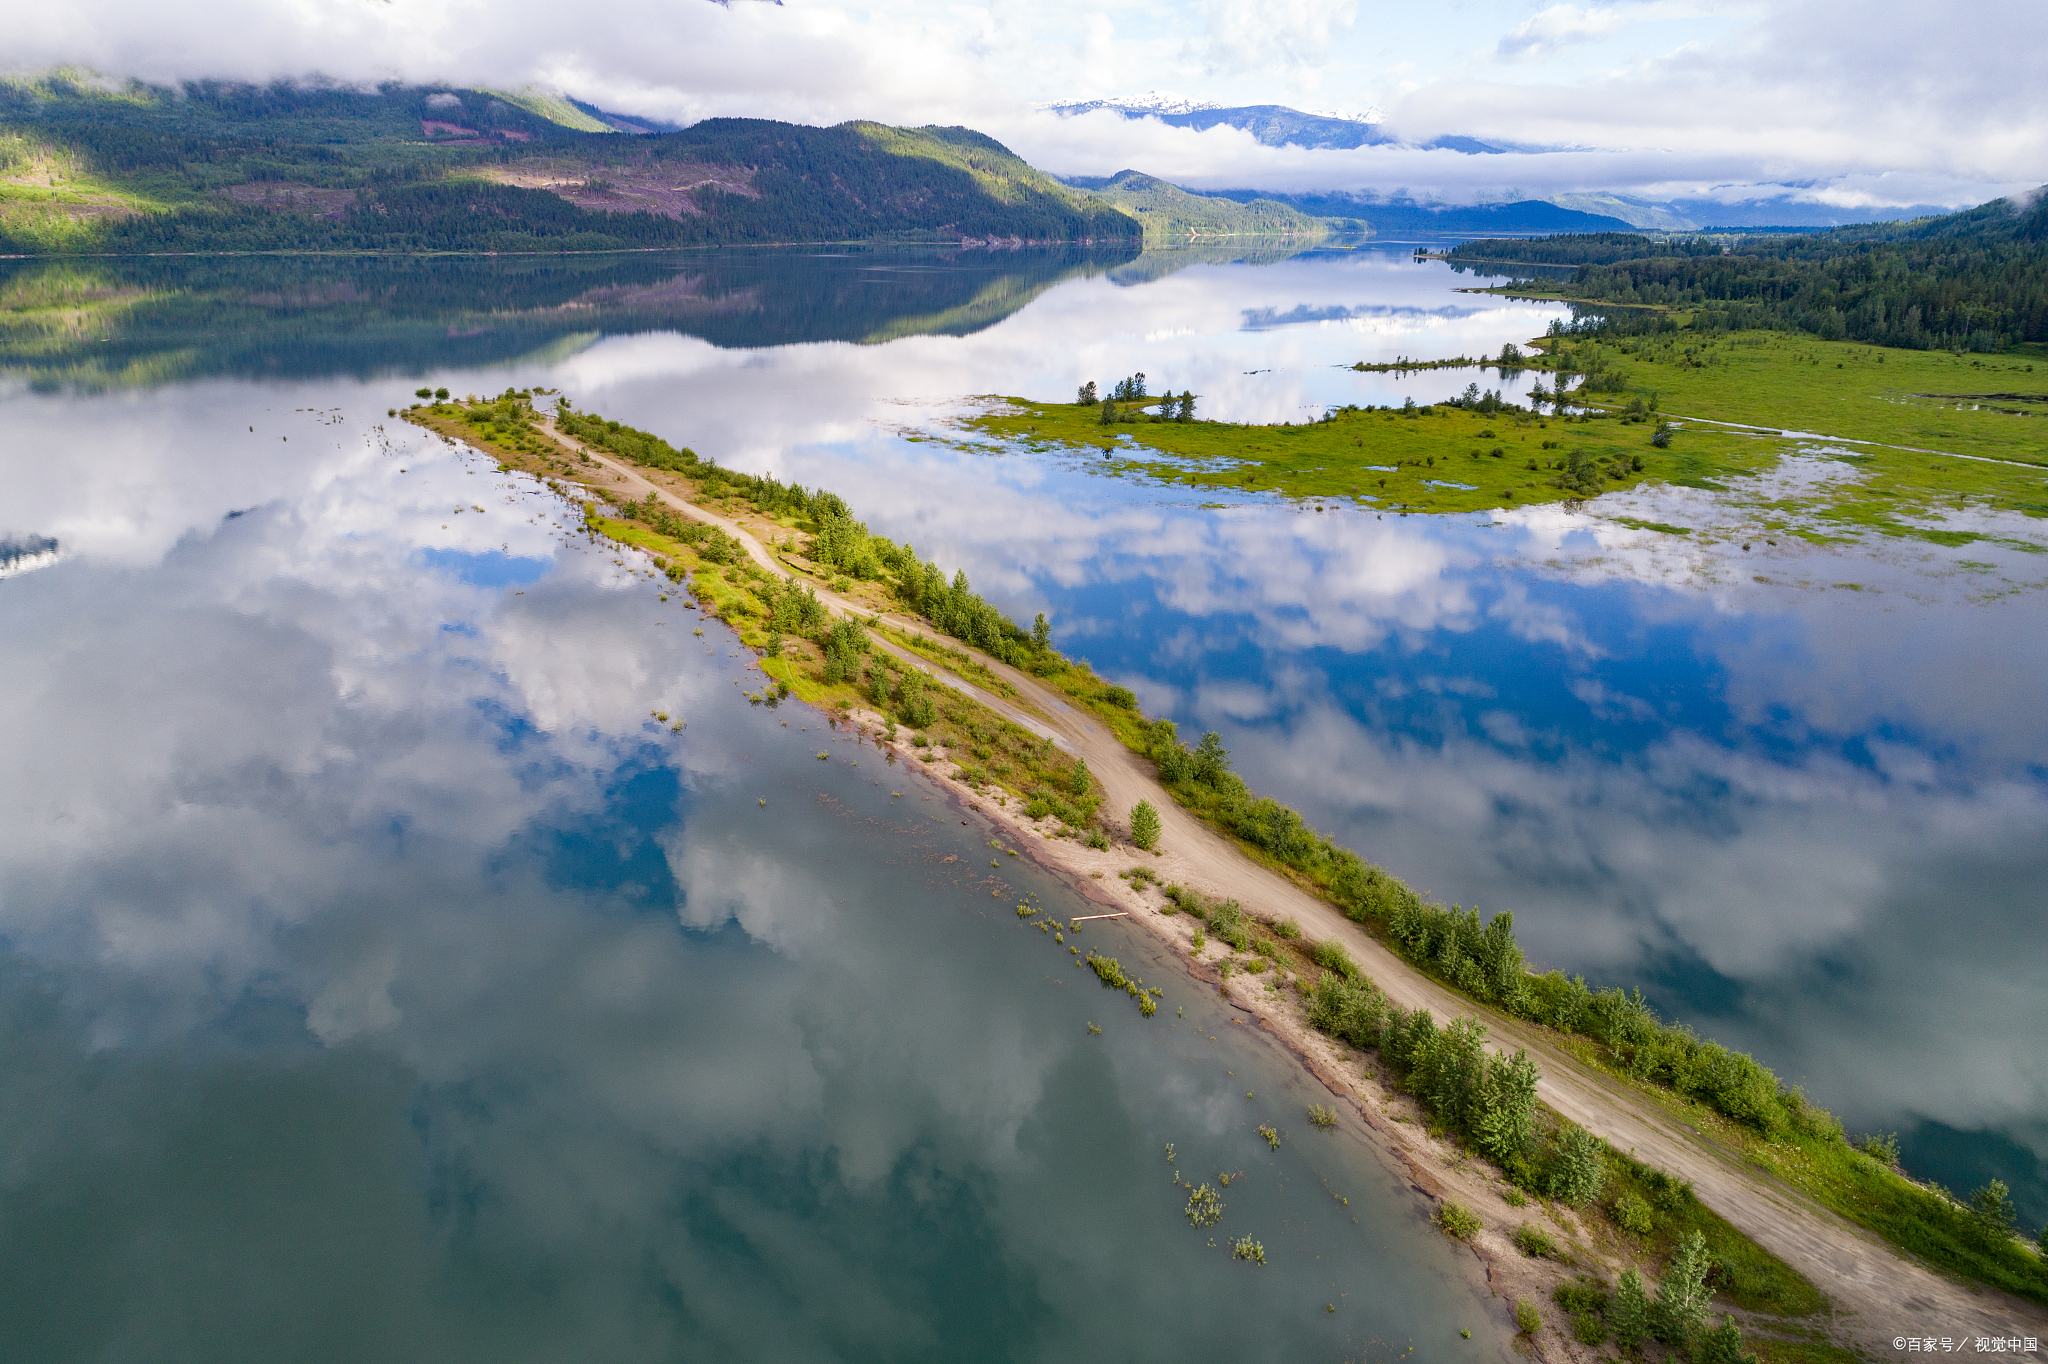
<point x="391" y="984"/>
<point x="1785" y="788"/>
<point x="1807" y="817"/>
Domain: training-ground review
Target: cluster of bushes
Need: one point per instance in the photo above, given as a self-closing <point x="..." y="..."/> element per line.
<point x="1201" y="779"/>
<point x="955" y="608"/>
<point x="1587" y="475"/>
<point x="1486" y="963"/>
<point x="1472" y="400"/>
<point x="1482" y="960"/>
<point x="710" y="543"/>
<point x="902" y="692"/>
<point x="1489" y="1100"/>
<point x="838" y="540"/>
<point x="1676" y="1315"/>
<point x="844" y="643"/>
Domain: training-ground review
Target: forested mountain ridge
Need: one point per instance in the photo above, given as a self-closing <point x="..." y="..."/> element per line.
<point x="1974" y="280"/>
<point x="219" y="167"/>
<point x="1168" y="211"/>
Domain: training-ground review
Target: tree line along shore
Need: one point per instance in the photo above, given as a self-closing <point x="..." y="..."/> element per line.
<point x="858" y="659"/>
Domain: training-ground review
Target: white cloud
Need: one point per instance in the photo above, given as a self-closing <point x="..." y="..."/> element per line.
<point x="1862" y="104"/>
<point x="1558" y="26"/>
<point x="1255" y="35"/>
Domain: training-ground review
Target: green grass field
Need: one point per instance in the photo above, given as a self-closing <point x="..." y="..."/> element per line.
<point x="1958" y="404"/>
<point x="1942" y="435"/>
<point x="1430" y="459"/>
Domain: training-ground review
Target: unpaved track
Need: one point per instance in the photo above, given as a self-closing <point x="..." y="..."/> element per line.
<point x="1876" y="1294"/>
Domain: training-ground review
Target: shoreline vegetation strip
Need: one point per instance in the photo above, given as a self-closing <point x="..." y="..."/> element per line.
<point x="833" y="664"/>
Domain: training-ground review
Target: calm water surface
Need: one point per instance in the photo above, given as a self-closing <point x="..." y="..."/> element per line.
<point x="1800" y="795"/>
<point x="386" y="978"/>
<point x="378" y="979"/>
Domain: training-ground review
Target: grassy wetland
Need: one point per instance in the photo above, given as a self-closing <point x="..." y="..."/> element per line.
<point x="854" y="664"/>
<point x="1910" y="444"/>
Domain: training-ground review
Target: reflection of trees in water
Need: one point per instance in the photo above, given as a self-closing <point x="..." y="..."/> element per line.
<point x="129" y="323"/>
<point x="1160" y="261"/>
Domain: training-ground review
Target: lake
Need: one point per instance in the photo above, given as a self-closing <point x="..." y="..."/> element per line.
<point x="380" y="979"/>
<point x="388" y="979"/>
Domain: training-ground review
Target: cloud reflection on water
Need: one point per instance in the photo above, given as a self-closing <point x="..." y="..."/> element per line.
<point x="390" y="987"/>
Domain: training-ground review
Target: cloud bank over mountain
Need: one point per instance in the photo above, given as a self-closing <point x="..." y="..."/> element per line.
<point x="1864" y="106"/>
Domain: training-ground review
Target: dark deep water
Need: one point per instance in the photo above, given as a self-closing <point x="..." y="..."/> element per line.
<point x="380" y="978"/>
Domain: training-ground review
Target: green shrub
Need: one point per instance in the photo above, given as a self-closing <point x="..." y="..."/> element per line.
<point x="1144" y="825"/>
<point x="1456" y="1220"/>
<point x="1992" y="1214"/>
<point x="1319" y="1116"/>
<point x="1576" y="1169"/>
<point x="1351" y="1011"/>
<point x="1632" y="1214"/>
<point x="1582" y="1296"/>
<point x="1722" y="1345"/>
<point x="1535" y="1242"/>
<point x="1331" y="956"/>
<point x="1527" y="1319"/>
<point x="1589" y="1329"/>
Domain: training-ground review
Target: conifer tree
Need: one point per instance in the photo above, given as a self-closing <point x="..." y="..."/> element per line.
<point x="1576" y="1170"/>
<point x="1630" y="1314"/>
<point x="1991" y="1212"/>
<point x="1144" y="825"/>
<point x="1682" y="1294"/>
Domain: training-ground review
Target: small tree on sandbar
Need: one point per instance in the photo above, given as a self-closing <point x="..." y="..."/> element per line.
<point x="1144" y="825"/>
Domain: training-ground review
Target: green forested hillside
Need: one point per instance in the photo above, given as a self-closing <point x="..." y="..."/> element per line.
<point x="1168" y="211"/>
<point x="1976" y="280"/>
<point x="218" y="167"/>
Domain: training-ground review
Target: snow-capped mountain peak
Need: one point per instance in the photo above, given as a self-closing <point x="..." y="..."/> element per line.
<point x="1151" y="102"/>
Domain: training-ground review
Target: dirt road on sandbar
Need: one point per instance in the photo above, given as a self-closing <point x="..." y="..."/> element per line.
<point x="1875" y="1292"/>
